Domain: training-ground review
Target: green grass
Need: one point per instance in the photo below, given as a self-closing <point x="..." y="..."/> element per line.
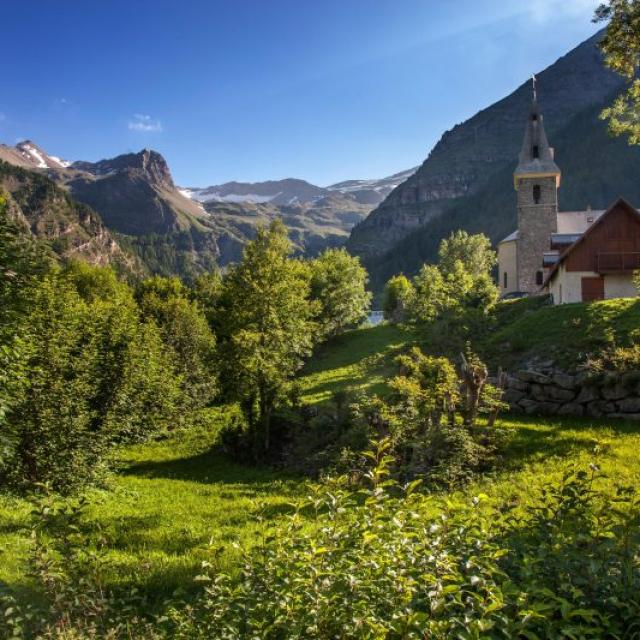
<point x="565" y="333"/>
<point x="170" y="500"/>
<point x="167" y="503"/>
<point x="358" y="360"/>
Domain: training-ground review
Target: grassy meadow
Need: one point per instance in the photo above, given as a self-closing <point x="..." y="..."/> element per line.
<point x="171" y="501"/>
<point x="530" y="327"/>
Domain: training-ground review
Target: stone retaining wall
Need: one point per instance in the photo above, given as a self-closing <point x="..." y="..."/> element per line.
<point x="554" y="392"/>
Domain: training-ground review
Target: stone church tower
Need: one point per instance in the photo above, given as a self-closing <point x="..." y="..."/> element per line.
<point x="536" y="179"/>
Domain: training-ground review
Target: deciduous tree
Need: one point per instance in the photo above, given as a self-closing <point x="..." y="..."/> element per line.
<point x="266" y="328"/>
<point x="397" y="298"/>
<point x="338" y="284"/>
<point x="621" y="49"/>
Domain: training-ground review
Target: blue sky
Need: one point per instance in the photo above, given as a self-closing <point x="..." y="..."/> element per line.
<point x="250" y="90"/>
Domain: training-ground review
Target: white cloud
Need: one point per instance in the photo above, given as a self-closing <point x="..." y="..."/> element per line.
<point x="144" y="122"/>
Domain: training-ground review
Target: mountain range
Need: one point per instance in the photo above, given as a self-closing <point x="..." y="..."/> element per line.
<point x="128" y="210"/>
<point x="173" y="230"/>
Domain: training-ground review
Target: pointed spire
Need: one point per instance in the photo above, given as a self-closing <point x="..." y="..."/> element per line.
<point x="536" y="156"/>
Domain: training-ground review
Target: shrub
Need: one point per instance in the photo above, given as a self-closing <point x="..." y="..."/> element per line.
<point x="397" y="298"/>
<point x="94" y="374"/>
<point x="186" y="332"/>
<point x="338" y="284"/>
<point x="383" y="562"/>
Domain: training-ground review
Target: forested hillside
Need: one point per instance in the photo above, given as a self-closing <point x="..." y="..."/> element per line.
<point x="596" y="169"/>
<point x="466" y="182"/>
<point x="70" y="229"/>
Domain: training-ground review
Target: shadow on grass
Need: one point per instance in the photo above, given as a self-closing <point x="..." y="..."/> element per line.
<point x="532" y="438"/>
<point x="211" y="467"/>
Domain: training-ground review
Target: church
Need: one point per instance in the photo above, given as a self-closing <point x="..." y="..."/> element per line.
<point x="576" y="256"/>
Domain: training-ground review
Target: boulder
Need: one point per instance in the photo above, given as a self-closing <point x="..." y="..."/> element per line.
<point x="587" y="394"/>
<point x="571" y="409"/>
<point x="514" y="383"/>
<point x="615" y="391"/>
<point x="629" y="405"/>
<point x="528" y="406"/>
<point x="631" y="379"/>
<point x="558" y="393"/>
<point x="526" y="375"/>
<point x="512" y="396"/>
<point x="532" y="407"/>
<point x="538" y="392"/>
<point x="548" y="408"/>
<point x="599" y="408"/>
<point x="564" y="380"/>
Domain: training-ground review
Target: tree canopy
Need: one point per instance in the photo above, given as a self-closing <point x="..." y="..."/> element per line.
<point x="621" y="49"/>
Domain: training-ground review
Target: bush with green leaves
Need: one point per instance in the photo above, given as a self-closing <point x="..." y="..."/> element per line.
<point x="186" y="333"/>
<point x="383" y="562"/>
<point x="451" y="301"/>
<point x="95" y="374"/>
<point x="397" y="298"/>
<point x="440" y="420"/>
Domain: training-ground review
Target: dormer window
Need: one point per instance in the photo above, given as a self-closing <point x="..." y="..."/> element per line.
<point x="535" y="151"/>
<point x="534" y="117"/>
<point x="537" y="194"/>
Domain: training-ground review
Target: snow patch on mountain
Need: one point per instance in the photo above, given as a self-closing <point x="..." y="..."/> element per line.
<point x="63" y="163"/>
<point x="209" y="194"/>
<point x="36" y="156"/>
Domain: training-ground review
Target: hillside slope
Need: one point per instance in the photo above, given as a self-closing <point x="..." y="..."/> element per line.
<point x="183" y="232"/>
<point x="596" y="169"/>
<point x="466" y="180"/>
<point x="71" y="229"/>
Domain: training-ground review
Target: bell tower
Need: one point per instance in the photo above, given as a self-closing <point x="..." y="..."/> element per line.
<point x="536" y="179"/>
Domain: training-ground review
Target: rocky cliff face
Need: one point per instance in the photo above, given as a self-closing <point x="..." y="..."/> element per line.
<point x="71" y="229"/>
<point x="468" y="156"/>
<point x="134" y="193"/>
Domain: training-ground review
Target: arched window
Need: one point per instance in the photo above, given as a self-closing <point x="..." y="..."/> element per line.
<point x="537" y="193"/>
<point x="505" y="280"/>
<point x="535" y="151"/>
<point x="539" y="277"/>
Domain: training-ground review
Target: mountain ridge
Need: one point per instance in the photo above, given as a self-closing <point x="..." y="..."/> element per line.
<point x="176" y="231"/>
<point x="469" y="155"/>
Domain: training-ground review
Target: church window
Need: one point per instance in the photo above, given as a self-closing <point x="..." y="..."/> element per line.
<point x="536" y="151"/>
<point x="537" y="193"/>
<point x="505" y="280"/>
<point x="534" y="117"/>
<point x="539" y="277"/>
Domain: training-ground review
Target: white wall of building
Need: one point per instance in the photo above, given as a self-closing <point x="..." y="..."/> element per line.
<point x="619" y="286"/>
<point x="566" y="286"/>
<point x="507" y="263"/>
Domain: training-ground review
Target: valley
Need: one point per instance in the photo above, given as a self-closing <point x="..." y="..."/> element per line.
<point x="370" y="408"/>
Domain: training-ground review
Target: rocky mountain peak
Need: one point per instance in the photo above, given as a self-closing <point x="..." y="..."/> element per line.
<point x="149" y="163"/>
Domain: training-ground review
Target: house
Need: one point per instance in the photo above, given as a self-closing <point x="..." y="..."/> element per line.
<point x="574" y="255"/>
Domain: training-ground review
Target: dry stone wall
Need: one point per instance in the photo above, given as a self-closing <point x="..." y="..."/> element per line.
<point x="549" y="391"/>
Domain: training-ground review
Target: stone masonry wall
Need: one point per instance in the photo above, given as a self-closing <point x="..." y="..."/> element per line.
<point x="549" y="391"/>
<point x="536" y="223"/>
